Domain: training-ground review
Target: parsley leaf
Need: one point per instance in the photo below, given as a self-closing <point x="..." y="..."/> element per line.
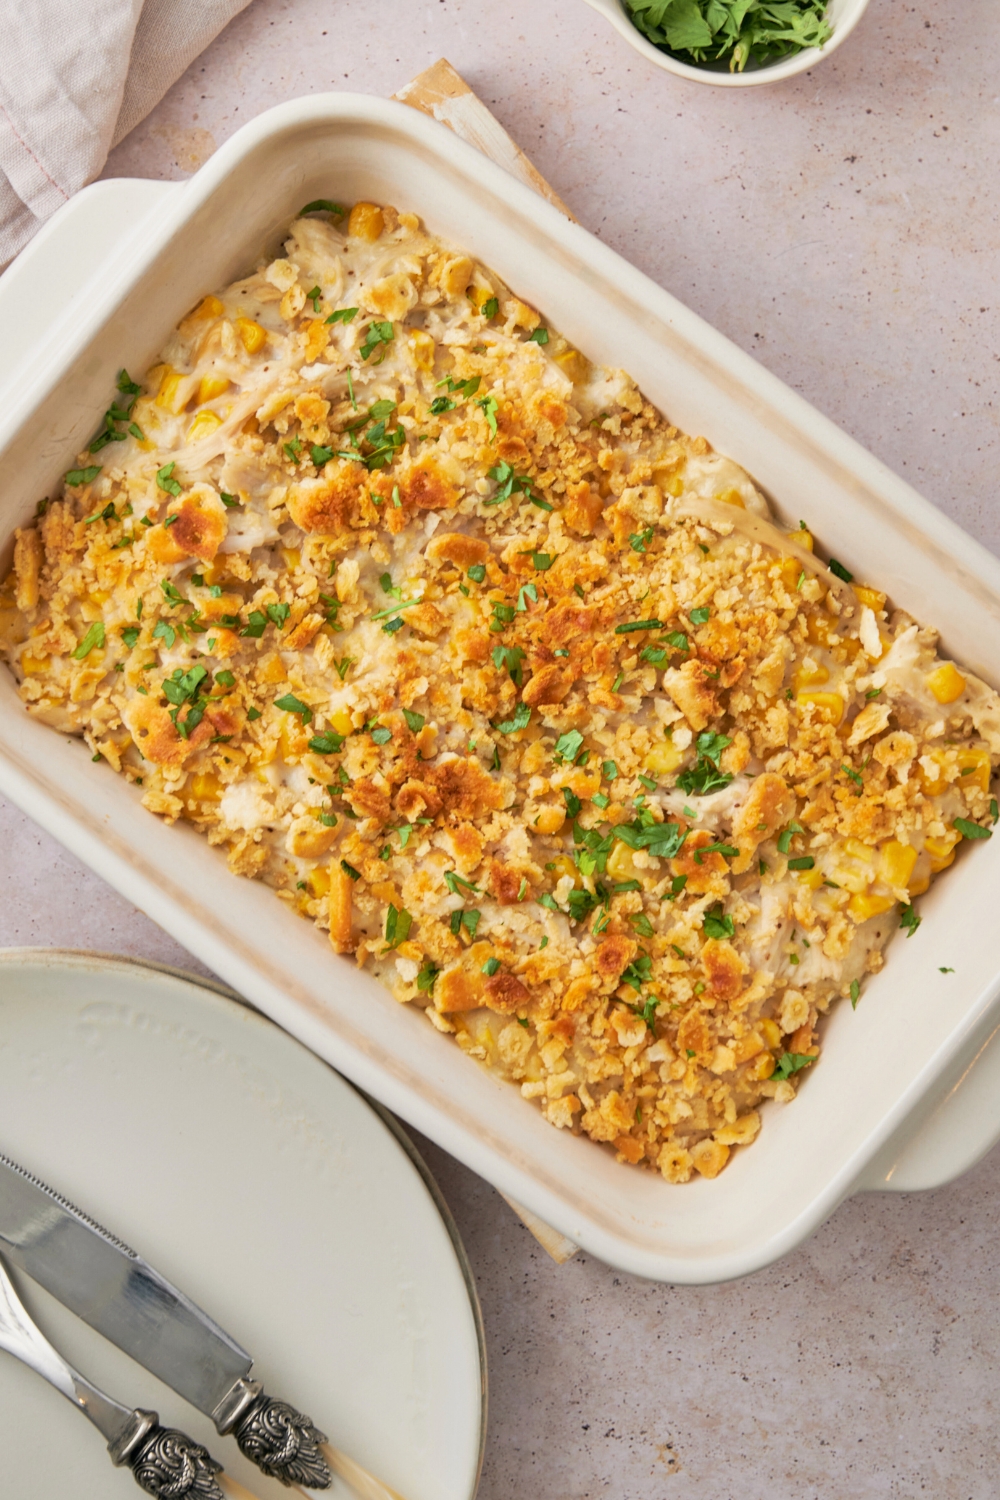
<point x="540" y="336"/>
<point x="92" y="640"/>
<point x="909" y="920"/>
<point x="376" y="334"/>
<point x="322" y="206"/>
<point x="569" y="745"/>
<point x="970" y="830"/>
<point x="293" y="705"/>
<point x="343" y="315"/>
<point x="414" y="721"/>
<point x="510" y="657"/>
<point x="327" y="743"/>
<point x="640" y="540"/>
<point x="715" y="924"/>
<point x="839" y="571"/>
<point x="791" y="1062"/>
<point x="632" y="625"/>
<point x="699" y="616"/>
<point x="82" y="476"/>
<point x="426" y="977"/>
<point x="521" y="719"/>
<point x="165" y="481"/>
<point x="733" y="31"/>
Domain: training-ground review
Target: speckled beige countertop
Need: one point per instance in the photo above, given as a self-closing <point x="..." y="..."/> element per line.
<point x="844" y="228"/>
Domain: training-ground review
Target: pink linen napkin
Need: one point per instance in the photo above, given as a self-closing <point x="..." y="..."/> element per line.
<point x="75" y="77"/>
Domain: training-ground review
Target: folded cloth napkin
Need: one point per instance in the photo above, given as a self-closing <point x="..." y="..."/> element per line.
<point x="75" y="77"/>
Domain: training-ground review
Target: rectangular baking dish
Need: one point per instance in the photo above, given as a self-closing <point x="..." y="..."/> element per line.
<point x="884" y="1064"/>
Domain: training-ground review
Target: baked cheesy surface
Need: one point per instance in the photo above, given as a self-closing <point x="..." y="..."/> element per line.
<point x="452" y="639"/>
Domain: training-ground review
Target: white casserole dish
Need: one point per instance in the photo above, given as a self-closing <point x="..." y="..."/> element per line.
<point x="884" y="1065"/>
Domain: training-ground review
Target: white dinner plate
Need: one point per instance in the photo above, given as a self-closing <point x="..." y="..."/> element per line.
<point x="263" y="1185"/>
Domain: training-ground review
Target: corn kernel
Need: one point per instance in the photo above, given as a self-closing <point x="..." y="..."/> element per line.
<point x="33" y="666"/>
<point x="341" y="721"/>
<point x="318" y="880"/>
<point x="857" y="850"/>
<point x="818" y="628"/>
<point x="574" y="364"/>
<point x="208" y="307"/>
<point x="873" y="598"/>
<point x="292" y="556"/>
<point x="810" y="677"/>
<point x="829" y="706"/>
<point x="423" y="349"/>
<point x="204" y="423"/>
<point x="896" y="863"/>
<point x="863" y="907"/>
<point x="946" y="683"/>
<point x="550" y="819"/>
<point x="731" y="497"/>
<point x="770" y="1031"/>
<point x="942" y="847"/>
<point x="974" y="768"/>
<point x="174" y="392"/>
<point x="803" y="537"/>
<point x="563" y="865"/>
<point x="366" y="222"/>
<point x="762" y="1067"/>
<point x="621" y="865"/>
<point x="252" y="336"/>
<point x="811" y="878"/>
<point x="663" y="758"/>
<point x="480" y="295"/>
<point x="919" y="885"/>
<point x="791" y="572"/>
<point x="211" y="386"/>
<point x="204" y="786"/>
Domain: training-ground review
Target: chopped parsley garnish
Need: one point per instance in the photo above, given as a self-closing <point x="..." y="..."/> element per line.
<point x="839" y="571"/>
<point x="278" y="614"/>
<point x="509" y="483"/>
<point x="489" y="410"/>
<point x="441" y="404"/>
<point x="699" y="616"/>
<point x="705" y="776"/>
<point x="82" y="476"/>
<point x="639" y="971"/>
<point x="521" y="719"/>
<point x="162" y="631"/>
<point x="391" y="626"/>
<point x="490" y="967"/>
<point x="715" y="923"/>
<point x="657" y="655"/>
<point x="107" y="514"/>
<point x="678" y="640"/>
<point x="526" y="591"/>
<point x="314" y="297"/>
<point x="165" y="481"/>
<point x="91" y="641"/>
<point x="802" y="862"/>
<point x="229" y="501"/>
<point x="225" y="679"/>
<point x="327" y="743"/>
<point x="320" y="455"/>
<point x="323" y="206"/>
<point x="540" y="336"/>
<point x="909" y="920"/>
<point x="640" y="540"/>
<point x="873" y="692"/>
<point x="510" y="657"/>
<point x="477" y="572"/>
<point x="426" y="977"/>
<point x="855" y="993"/>
<point x="414" y="721"/>
<point x="343" y="315"/>
<point x="130" y="635"/>
<point x="641" y="923"/>
<point x="719" y="847"/>
<point x="253" y="713"/>
<point x="791" y="1062"/>
<point x="381" y="735"/>
<point x="350" y="870"/>
<point x="256" y="625"/>
<point x="786" y="836"/>
<point x="490" y="307"/>
<point x="542" y="561"/>
<point x="397" y="927"/>
<point x="453" y="880"/>
<point x="394" y="610"/>
<point x="632" y="625"/>
<point x="569" y="745"/>
<point x="855" y="776"/>
<point x="293" y="705"/>
<point x="970" y="830"/>
<point x="502" y="615"/>
<point x="663" y="840"/>
<point x="376" y="335"/>
<point x="609" y="769"/>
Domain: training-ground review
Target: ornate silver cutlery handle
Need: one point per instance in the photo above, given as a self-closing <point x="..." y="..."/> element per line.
<point x="164" y="1462"/>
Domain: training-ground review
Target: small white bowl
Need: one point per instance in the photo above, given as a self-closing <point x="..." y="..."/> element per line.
<point x="843" y="16"/>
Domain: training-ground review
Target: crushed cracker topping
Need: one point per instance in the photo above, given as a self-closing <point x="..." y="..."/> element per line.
<point x="451" y="638"/>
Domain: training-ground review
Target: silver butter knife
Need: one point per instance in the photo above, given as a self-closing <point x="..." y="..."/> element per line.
<point x="109" y="1286"/>
<point x="164" y="1462"/>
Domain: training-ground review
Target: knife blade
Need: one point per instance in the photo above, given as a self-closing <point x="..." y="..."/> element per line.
<point x="109" y="1285"/>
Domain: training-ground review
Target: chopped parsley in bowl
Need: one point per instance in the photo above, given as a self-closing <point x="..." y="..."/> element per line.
<point x="731" y="33"/>
<point x="733" y="43"/>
